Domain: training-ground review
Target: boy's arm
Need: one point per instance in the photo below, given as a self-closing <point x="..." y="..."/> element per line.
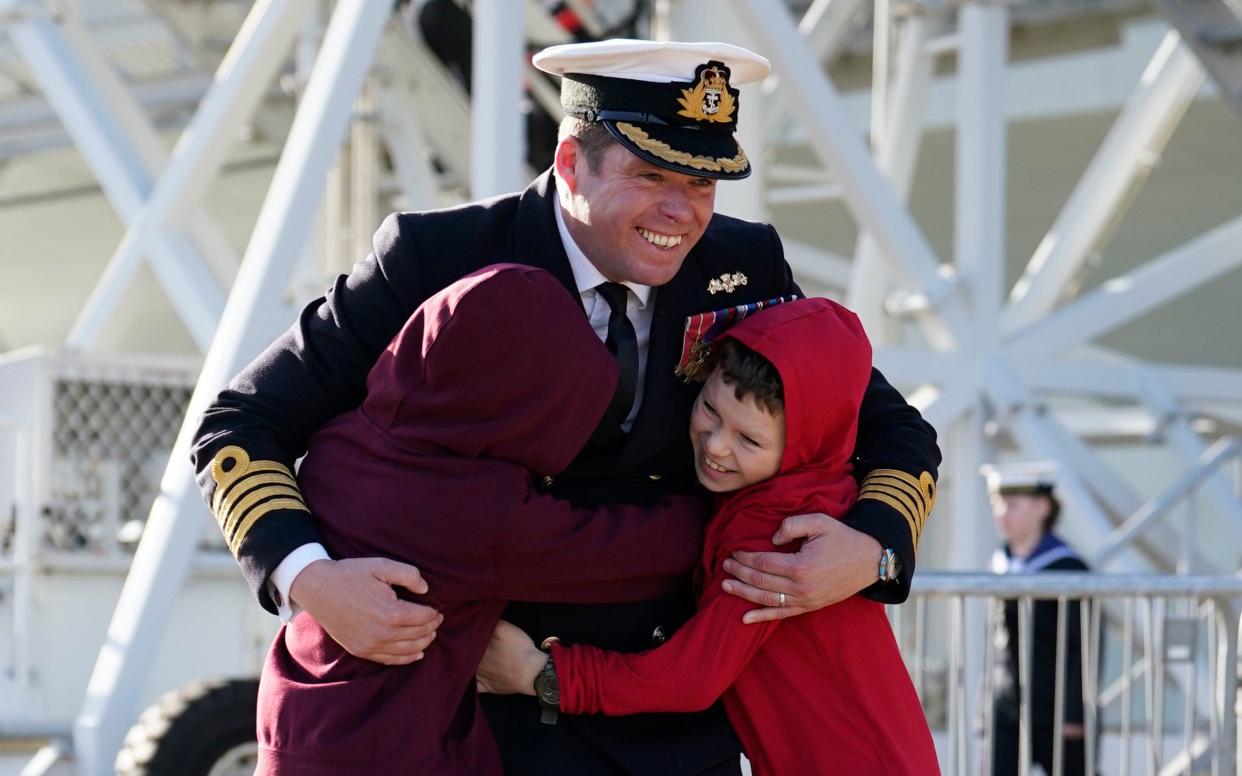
<point x="692" y="670"/>
<point x="700" y="661"/>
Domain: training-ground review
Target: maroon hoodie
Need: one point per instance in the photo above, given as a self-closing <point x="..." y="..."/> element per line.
<point x="494" y="382"/>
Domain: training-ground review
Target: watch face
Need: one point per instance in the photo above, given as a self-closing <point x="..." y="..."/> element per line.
<point x="892" y="565"/>
<point x="546" y="686"/>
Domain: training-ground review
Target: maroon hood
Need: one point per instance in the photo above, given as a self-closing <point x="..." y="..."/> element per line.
<point x="501" y="364"/>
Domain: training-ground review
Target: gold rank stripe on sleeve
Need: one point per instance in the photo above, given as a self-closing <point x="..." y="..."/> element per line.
<point x="912" y="496"/>
<point x="248" y="490"/>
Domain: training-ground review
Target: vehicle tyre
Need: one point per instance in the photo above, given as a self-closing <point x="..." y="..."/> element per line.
<point x="206" y="728"/>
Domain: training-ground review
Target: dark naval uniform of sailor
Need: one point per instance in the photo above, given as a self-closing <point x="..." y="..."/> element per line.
<point x="318" y="369"/>
<point x="1051" y="554"/>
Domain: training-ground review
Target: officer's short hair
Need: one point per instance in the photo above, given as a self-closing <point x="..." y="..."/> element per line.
<point x="750" y="374"/>
<point x="593" y="139"/>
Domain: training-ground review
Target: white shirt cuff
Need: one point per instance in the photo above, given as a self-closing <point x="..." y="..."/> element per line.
<point x="281" y="581"/>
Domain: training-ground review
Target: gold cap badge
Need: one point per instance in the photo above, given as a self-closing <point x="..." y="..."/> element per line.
<point x="710" y="99"/>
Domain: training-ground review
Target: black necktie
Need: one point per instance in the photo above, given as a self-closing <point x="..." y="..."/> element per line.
<point x="622" y="343"/>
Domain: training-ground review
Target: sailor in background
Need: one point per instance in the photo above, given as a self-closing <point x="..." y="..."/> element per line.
<point x="1026" y="509"/>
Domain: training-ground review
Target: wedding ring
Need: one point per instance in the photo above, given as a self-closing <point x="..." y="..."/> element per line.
<point x="782" y="599"/>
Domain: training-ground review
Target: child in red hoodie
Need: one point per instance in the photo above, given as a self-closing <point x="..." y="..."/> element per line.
<point x="822" y="693"/>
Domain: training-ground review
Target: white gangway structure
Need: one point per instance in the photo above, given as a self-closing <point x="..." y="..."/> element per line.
<point x="1000" y="369"/>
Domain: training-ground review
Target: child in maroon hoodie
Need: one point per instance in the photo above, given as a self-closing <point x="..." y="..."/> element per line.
<point x="821" y="693"/>
<point x="470" y="402"/>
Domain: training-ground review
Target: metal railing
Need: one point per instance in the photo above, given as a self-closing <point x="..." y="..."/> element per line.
<point x="1159" y="667"/>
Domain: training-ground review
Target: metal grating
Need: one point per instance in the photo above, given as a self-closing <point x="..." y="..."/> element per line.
<point x="111" y="441"/>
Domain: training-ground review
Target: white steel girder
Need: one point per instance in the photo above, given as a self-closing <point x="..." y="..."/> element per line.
<point x="162" y="558"/>
<point x="1132" y="147"/>
<point x="896" y="155"/>
<point x="1126" y="298"/>
<point x="811" y="97"/>
<point x="497" y="127"/>
<point x="125" y="154"/>
<point x="257" y="52"/>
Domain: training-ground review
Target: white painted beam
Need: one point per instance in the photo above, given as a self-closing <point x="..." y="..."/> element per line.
<point x="979" y="192"/>
<point x="497" y="125"/>
<point x="1219" y="487"/>
<point x="107" y="129"/>
<point x="242" y="79"/>
<point x="951" y="401"/>
<point x="817" y="265"/>
<point x="1126" y="298"/>
<point x="1128" y="153"/>
<point x="896" y="156"/>
<point x="1124" y="379"/>
<point x="811" y="97"/>
<point x="913" y="365"/>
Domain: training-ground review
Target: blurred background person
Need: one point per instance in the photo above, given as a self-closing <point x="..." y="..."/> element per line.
<point x="1026" y="509"/>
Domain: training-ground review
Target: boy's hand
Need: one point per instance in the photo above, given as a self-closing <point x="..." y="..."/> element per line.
<point x="834" y="563"/>
<point x="511" y="662"/>
<point x="354" y="601"/>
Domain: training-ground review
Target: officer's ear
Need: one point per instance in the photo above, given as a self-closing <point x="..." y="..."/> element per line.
<point x="568" y="162"/>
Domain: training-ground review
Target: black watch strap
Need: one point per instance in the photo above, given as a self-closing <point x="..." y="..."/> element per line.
<point x="548" y="692"/>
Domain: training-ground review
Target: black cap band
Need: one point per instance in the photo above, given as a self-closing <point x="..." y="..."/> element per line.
<point x="602" y="98"/>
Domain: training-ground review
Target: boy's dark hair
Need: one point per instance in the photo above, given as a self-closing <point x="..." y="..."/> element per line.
<point x="749" y="373"/>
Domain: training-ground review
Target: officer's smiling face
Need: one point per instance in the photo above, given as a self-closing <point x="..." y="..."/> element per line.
<point x="635" y="221"/>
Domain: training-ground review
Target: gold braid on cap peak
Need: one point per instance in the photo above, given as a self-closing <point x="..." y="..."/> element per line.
<point x="912" y="497"/>
<point x="669" y="154"/>
<point x="248" y="490"/>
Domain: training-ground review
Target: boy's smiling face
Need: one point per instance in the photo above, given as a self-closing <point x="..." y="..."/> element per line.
<point x="736" y="441"/>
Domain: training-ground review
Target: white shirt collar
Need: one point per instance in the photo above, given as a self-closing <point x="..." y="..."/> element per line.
<point x="585" y="274"/>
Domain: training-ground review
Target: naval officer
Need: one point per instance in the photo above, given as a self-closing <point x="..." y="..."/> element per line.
<point x="625" y="220"/>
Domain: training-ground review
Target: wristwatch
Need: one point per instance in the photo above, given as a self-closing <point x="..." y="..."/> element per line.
<point x="548" y="692"/>
<point x="890" y="565"/>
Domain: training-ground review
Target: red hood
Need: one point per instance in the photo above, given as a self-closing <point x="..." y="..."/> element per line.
<point x="501" y="364"/>
<point x="824" y="359"/>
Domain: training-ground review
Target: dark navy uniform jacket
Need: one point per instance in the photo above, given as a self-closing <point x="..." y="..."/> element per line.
<point x="318" y="369"/>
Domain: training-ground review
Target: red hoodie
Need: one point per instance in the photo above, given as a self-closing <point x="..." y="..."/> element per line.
<point x="822" y="693"/>
<point x="497" y="378"/>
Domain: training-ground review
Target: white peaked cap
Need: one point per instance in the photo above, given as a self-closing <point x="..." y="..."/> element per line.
<point x="651" y="60"/>
<point x="1019" y="475"/>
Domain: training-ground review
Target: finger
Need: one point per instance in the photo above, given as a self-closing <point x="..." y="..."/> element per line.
<point x="753" y="594"/>
<point x="396" y="573"/>
<point x="405" y="644"/>
<point x="405" y="614"/>
<point x="780" y="564"/>
<point x="771" y="613"/>
<point x="390" y="659"/>
<point x="420" y="633"/>
<point x="777" y="583"/>
<point x="798" y="527"/>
